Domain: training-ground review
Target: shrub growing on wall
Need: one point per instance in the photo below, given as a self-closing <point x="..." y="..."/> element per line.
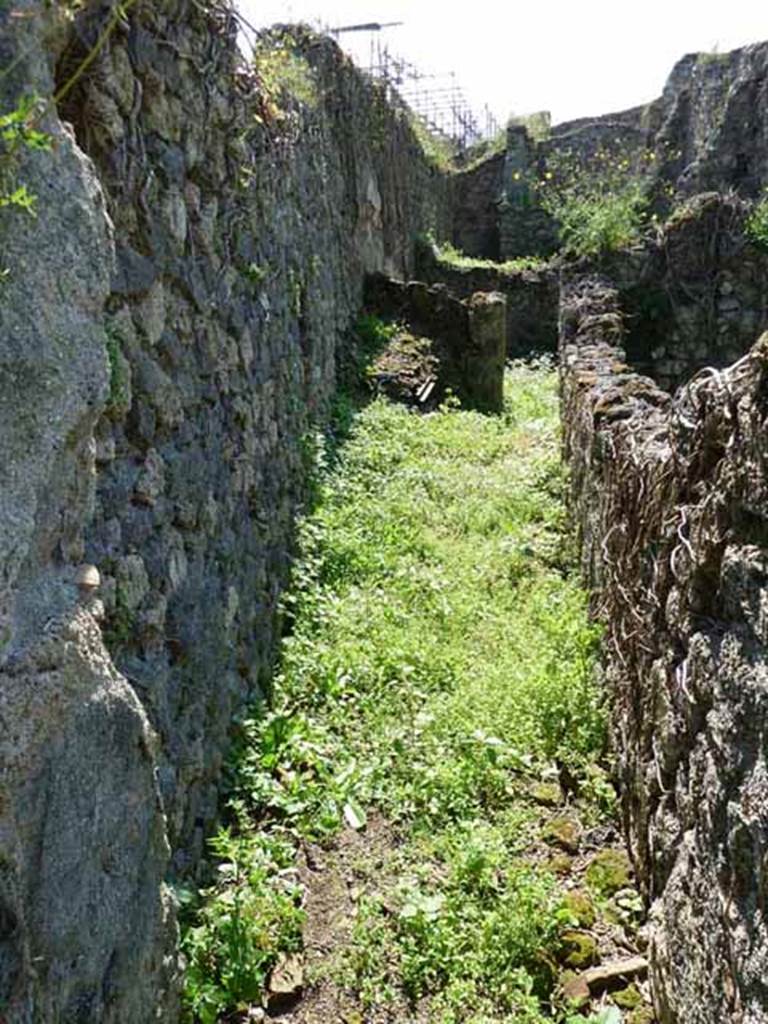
<point x="599" y="202"/>
<point x="757" y="222"/>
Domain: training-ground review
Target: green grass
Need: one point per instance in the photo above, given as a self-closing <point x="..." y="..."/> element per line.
<point x="456" y="258"/>
<point x="438" y="658"/>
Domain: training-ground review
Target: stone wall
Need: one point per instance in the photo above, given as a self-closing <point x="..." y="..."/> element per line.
<point x="531" y="296"/>
<point x="696" y="294"/>
<point x="669" y="499"/>
<point x="170" y="323"/>
<point x="478" y="193"/>
<point x="466" y="337"/>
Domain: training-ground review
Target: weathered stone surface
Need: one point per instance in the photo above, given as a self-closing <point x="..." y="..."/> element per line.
<point x="669" y="498"/>
<point x="86" y="920"/>
<point x="53" y="362"/>
<point x="287" y="978"/>
<point x="484" y="359"/>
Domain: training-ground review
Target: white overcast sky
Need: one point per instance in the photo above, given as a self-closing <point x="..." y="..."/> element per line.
<point x="574" y="58"/>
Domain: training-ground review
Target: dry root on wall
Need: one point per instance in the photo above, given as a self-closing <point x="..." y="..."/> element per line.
<point x="670" y="498"/>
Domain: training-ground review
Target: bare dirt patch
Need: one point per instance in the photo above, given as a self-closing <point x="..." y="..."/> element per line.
<point x="356" y="864"/>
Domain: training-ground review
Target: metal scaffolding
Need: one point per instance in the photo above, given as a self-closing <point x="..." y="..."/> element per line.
<point x="437" y="99"/>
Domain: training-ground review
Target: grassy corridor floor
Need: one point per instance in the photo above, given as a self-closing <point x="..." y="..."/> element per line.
<point x="415" y="809"/>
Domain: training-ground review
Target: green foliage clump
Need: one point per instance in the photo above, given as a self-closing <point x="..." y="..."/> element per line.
<point x="18" y="132"/>
<point x="285" y="76"/>
<point x="120" y="628"/>
<point x="600" y="203"/>
<point x="244" y="921"/>
<point x="370" y="336"/>
<point x="757" y="222"/>
<point x="119" y="399"/>
<point x="256" y="274"/>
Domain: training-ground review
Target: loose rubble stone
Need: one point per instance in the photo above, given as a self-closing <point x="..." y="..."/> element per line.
<point x="607" y="975"/>
<point x="608" y="872"/>
<point x="564" y="832"/>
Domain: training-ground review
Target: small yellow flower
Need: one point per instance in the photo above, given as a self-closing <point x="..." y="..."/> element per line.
<point x="548" y="175"/>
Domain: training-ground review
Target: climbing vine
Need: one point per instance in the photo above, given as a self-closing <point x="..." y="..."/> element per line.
<point x="17" y="133"/>
<point x="20" y="127"/>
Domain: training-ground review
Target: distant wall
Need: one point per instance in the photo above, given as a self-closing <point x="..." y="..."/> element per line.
<point x="707" y="132"/>
<point x="697" y="128"/>
<point x="478" y="192"/>
<point x="531" y="297"/>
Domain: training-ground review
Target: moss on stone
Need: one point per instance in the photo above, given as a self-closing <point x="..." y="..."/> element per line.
<point x="628" y="998"/>
<point x="547" y="793"/>
<point x="609" y="871"/>
<point x="581" y="907"/>
<point x="563" y="832"/>
<point x="559" y="864"/>
<point x="642" y="1015"/>
<point x="578" y="949"/>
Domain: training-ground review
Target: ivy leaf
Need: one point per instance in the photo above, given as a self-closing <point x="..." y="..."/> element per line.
<point x="20" y="197"/>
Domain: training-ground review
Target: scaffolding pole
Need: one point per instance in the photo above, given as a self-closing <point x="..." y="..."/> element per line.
<point x="437" y="99"/>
